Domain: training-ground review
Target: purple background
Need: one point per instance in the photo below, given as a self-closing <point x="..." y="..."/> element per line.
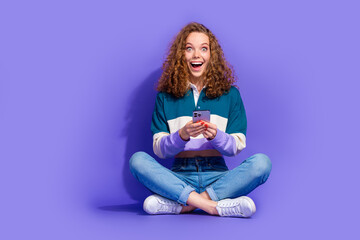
<point x="76" y="97"/>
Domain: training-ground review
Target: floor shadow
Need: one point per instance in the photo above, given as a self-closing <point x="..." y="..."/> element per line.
<point x="134" y="208"/>
<point x="137" y="132"/>
<point x="138" y="208"/>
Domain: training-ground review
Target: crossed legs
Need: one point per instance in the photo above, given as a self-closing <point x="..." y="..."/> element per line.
<point x="237" y="182"/>
<point x="202" y="201"/>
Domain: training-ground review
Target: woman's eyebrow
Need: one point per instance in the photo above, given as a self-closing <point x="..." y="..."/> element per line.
<point x="200" y="44"/>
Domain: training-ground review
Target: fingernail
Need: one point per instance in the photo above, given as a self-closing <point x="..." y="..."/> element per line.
<point x="206" y="125"/>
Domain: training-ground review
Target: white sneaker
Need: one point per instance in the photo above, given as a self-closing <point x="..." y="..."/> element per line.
<point x="238" y="207"/>
<point x="155" y="204"/>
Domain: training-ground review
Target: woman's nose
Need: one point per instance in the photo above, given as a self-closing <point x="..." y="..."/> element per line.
<point x="196" y="54"/>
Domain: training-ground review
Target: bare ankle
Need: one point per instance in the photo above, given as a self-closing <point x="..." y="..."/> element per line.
<point x="211" y="208"/>
<point x="213" y="211"/>
<point x="187" y="209"/>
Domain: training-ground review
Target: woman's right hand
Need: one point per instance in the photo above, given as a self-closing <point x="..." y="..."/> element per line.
<point x="191" y="130"/>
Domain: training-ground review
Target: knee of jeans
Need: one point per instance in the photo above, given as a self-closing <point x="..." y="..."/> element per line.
<point x="261" y="165"/>
<point x="137" y="161"/>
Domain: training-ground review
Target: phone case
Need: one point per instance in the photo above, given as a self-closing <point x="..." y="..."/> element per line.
<point x="201" y="115"/>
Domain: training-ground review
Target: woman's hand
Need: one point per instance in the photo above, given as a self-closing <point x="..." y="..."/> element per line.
<point x="210" y="130"/>
<point x="191" y="129"/>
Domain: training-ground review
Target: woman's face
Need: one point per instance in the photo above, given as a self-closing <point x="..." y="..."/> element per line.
<point x="197" y="54"/>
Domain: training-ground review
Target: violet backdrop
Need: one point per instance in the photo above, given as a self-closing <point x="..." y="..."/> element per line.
<point x="77" y="92"/>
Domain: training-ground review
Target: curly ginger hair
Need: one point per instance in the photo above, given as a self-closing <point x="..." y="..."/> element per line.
<point x="218" y="76"/>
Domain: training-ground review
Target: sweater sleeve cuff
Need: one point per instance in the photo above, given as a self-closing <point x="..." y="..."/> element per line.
<point x="224" y="143"/>
<point x="219" y="139"/>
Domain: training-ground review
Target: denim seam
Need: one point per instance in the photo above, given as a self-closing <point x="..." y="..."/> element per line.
<point x="200" y="181"/>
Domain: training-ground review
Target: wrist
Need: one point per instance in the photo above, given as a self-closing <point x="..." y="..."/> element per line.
<point x="211" y="138"/>
<point x="219" y="138"/>
<point x="183" y="135"/>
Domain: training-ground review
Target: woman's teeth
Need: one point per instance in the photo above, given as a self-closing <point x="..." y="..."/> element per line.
<point x="196" y="64"/>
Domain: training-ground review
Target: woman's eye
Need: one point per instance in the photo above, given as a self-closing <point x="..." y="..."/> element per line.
<point x="188" y="49"/>
<point x="204" y="49"/>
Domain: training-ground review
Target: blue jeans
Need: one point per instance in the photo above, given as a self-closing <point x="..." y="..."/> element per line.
<point x="200" y="174"/>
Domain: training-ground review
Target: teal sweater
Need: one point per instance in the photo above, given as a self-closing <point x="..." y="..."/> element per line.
<point x="170" y="114"/>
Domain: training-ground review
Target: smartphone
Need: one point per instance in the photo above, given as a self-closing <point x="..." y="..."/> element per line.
<point x="201" y="115"/>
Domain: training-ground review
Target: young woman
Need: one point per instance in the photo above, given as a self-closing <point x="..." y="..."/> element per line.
<point x="196" y="76"/>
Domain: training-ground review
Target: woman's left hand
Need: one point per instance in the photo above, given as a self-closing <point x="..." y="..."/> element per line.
<point x="210" y="130"/>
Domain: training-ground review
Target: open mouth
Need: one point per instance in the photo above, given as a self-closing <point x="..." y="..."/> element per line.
<point x="196" y="65"/>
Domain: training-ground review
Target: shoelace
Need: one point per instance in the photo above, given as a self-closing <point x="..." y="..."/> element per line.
<point x="167" y="206"/>
<point x="231" y="208"/>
